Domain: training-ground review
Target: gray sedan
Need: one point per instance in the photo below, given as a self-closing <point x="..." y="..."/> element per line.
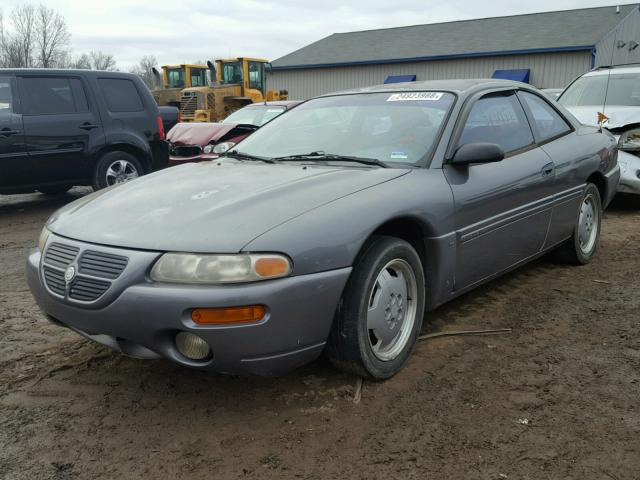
<point x="331" y="229"/>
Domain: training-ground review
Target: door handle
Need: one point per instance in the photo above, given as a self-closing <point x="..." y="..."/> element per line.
<point x="7" y="132"/>
<point x="88" y="126"/>
<point x="548" y="169"/>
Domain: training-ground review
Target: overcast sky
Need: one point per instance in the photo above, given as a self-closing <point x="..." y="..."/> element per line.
<point x="187" y="30"/>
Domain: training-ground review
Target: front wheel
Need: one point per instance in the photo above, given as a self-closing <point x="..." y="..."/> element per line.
<point x="114" y="168"/>
<point x="581" y="247"/>
<point x="380" y="314"/>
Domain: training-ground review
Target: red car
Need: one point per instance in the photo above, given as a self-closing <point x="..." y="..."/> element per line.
<point x="195" y="142"/>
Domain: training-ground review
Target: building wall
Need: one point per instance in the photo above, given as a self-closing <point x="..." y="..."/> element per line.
<point x="548" y="70"/>
<point x="607" y="50"/>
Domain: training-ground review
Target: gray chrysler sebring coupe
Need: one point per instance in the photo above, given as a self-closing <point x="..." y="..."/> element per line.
<point x="331" y="229"/>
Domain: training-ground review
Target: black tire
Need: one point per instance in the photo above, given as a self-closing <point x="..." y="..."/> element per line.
<point x="349" y="346"/>
<point x="100" y="180"/>
<point x="571" y="251"/>
<point x="54" y="189"/>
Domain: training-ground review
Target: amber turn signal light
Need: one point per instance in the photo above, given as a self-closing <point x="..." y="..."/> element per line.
<point x="268" y="267"/>
<point x="228" y="316"/>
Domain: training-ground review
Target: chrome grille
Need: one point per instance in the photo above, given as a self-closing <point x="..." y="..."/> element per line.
<point x="184" y="150"/>
<point x="95" y="271"/>
<point x="60" y="255"/>
<point x="102" y="265"/>
<point x="87" y="289"/>
<point x="55" y="280"/>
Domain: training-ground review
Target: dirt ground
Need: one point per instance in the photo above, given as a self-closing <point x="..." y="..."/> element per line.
<point x="558" y="398"/>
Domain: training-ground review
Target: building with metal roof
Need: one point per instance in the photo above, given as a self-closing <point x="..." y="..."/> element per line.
<point x="546" y="49"/>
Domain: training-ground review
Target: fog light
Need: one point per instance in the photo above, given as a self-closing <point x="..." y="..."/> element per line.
<point x="192" y="346"/>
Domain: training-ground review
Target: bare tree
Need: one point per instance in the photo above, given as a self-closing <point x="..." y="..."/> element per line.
<point x="102" y="61"/>
<point x="33" y="37"/>
<point x="22" y="19"/>
<point x="144" y="69"/>
<point x="52" y="37"/>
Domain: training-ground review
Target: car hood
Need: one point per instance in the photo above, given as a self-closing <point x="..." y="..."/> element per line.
<point x="619" y="116"/>
<point x="209" y="206"/>
<point x="194" y="133"/>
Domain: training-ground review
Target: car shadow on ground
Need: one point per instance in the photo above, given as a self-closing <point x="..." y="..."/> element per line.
<point x="39" y="203"/>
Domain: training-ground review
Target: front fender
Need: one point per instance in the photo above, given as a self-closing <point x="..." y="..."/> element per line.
<point x="330" y="237"/>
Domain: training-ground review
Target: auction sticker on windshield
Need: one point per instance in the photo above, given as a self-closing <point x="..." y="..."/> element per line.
<point x="409" y="96"/>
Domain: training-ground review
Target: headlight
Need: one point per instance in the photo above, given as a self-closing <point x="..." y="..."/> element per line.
<point x="42" y="241"/>
<point x="223" y="147"/>
<point x="219" y="269"/>
<point x="207" y="148"/>
<point x="630" y="140"/>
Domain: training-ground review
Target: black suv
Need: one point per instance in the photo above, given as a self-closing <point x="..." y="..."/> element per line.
<point x="60" y="128"/>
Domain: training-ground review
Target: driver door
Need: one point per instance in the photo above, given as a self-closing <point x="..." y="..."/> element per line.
<point x="502" y="209"/>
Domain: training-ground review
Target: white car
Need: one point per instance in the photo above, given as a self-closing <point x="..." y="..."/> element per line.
<point x="615" y="93"/>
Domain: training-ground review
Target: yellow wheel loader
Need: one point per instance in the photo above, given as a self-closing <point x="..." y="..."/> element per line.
<point x="238" y="82"/>
<point x="175" y="78"/>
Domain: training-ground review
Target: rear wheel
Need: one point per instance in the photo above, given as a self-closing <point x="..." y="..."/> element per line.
<point x="380" y="313"/>
<point x="581" y="247"/>
<point x="114" y="168"/>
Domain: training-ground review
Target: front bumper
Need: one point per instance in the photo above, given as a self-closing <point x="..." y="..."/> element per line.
<point x="140" y="318"/>
<point x="629" y="173"/>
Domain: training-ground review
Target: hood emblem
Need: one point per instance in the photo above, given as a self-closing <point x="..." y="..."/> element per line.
<point x="69" y="274"/>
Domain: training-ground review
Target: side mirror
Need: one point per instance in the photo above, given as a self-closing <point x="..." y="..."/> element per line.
<point x="478" y="153"/>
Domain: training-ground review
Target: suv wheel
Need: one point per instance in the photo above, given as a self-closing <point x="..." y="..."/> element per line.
<point x="114" y="168"/>
<point x="380" y="313"/>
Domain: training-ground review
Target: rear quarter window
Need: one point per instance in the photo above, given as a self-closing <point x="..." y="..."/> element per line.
<point x="121" y="95"/>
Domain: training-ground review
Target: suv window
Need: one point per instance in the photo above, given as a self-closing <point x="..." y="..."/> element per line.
<point x="498" y="118"/>
<point x="53" y="95"/>
<point x="6" y="98"/>
<point x="546" y="122"/>
<point x="121" y="95"/>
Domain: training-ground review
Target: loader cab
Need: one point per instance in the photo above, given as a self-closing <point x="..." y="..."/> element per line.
<point x="248" y="73"/>
<point x="184" y="76"/>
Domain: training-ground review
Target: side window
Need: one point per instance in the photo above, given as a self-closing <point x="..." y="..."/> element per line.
<point x="498" y="119"/>
<point x="198" y="77"/>
<point x="121" y="95"/>
<point x="255" y="75"/>
<point x="51" y="95"/>
<point x="6" y="97"/>
<point x="546" y="122"/>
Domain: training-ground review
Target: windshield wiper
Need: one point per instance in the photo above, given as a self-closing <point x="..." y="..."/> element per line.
<point x="245" y="156"/>
<point x="321" y="156"/>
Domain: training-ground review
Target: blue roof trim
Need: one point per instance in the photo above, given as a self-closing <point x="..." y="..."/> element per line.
<point x="580" y="48"/>
<point x="400" y="78"/>
<point x="518" y="75"/>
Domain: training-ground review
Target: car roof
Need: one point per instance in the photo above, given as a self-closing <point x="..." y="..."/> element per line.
<point x="61" y="71"/>
<point x="459" y="86"/>
<point x="614" y="70"/>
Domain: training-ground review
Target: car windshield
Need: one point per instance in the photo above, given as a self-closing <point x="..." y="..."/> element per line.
<point x="389" y="127"/>
<point x="621" y="89"/>
<point x="254" y="115"/>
